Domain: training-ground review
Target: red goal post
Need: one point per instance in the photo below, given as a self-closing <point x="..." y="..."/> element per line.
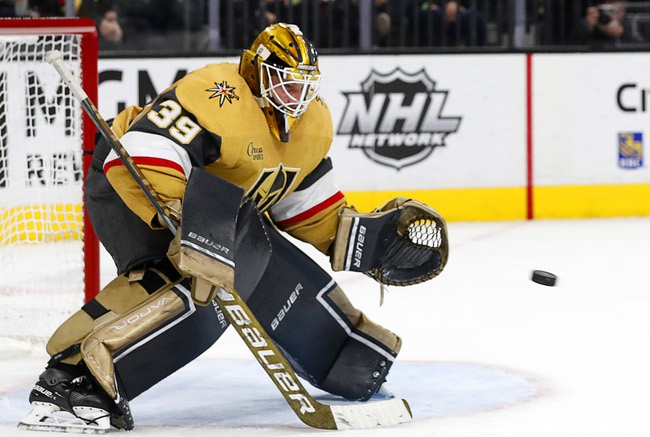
<point x="46" y="144"/>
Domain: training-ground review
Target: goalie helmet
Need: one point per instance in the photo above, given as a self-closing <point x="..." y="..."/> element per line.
<point x="281" y="69"/>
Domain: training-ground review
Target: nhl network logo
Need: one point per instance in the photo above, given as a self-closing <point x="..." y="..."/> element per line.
<point x="396" y="118"/>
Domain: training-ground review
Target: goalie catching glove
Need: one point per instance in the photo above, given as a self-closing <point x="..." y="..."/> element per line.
<point x="403" y="242"/>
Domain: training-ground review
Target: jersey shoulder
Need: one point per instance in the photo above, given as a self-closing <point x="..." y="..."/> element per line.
<point x="216" y="95"/>
<point x="320" y="109"/>
<point x="316" y="128"/>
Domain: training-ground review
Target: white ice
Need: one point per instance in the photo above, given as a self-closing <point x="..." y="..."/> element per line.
<point x="486" y="352"/>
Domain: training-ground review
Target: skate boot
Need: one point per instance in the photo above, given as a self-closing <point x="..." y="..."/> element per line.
<point x="65" y="399"/>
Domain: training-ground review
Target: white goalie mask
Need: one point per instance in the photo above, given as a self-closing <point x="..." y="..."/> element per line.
<point x="289" y="90"/>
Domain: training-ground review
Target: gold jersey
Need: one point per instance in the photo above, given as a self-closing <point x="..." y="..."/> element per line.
<point x="210" y="119"/>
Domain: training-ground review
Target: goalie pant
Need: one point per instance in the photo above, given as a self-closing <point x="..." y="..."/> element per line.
<point x="144" y="326"/>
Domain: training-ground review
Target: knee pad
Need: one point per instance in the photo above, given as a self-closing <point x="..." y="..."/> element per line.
<point x="137" y="332"/>
<point x="118" y="297"/>
<point x="117" y="337"/>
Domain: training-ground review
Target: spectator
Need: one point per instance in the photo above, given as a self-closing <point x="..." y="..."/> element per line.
<point x="385" y="20"/>
<point x="106" y="16"/>
<point x="110" y="30"/>
<point x="147" y="24"/>
<point x="604" y="25"/>
<point x="450" y="23"/>
<point x="387" y="17"/>
<point x="585" y="31"/>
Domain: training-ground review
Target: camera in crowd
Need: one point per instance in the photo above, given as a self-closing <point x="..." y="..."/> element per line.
<point x="606" y="14"/>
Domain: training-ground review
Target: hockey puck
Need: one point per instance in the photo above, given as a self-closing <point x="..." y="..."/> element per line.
<point x="544" y="278"/>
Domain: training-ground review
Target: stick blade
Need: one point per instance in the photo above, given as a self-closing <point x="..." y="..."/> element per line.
<point x="372" y="414"/>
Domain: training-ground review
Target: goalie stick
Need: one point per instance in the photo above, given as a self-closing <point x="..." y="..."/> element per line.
<point x="309" y="411"/>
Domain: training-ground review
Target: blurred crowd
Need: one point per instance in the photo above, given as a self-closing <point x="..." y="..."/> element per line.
<point x="208" y="25"/>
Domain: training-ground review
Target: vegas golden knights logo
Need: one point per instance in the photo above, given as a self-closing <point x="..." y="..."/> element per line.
<point x="272" y="185"/>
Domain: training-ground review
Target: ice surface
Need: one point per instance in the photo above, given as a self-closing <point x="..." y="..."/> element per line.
<point x="487" y="352"/>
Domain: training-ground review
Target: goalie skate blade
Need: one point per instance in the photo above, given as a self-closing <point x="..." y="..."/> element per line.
<point x="372" y="415"/>
<point x="44" y="417"/>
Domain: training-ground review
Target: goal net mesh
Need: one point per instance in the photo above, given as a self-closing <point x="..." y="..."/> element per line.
<point x="41" y="188"/>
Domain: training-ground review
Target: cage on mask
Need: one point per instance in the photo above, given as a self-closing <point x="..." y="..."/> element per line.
<point x="289" y="90"/>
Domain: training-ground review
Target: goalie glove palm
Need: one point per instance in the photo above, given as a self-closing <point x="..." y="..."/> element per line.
<point x="403" y="242"/>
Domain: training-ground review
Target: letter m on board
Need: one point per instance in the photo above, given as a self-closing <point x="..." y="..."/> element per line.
<point x="39" y="106"/>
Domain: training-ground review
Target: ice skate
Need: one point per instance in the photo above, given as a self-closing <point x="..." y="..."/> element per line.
<point x="65" y="400"/>
<point x="383" y="394"/>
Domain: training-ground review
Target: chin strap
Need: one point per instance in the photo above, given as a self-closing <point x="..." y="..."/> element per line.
<point x="262" y="102"/>
<point x="285" y="136"/>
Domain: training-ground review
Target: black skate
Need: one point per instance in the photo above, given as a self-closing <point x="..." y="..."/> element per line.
<point x="64" y="399"/>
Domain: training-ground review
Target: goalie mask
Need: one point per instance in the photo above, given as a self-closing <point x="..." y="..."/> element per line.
<point x="281" y="69"/>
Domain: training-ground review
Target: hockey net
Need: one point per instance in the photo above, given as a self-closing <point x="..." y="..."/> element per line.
<point x="49" y="257"/>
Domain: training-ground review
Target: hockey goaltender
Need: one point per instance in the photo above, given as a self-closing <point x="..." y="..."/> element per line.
<point x="262" y="127"/>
